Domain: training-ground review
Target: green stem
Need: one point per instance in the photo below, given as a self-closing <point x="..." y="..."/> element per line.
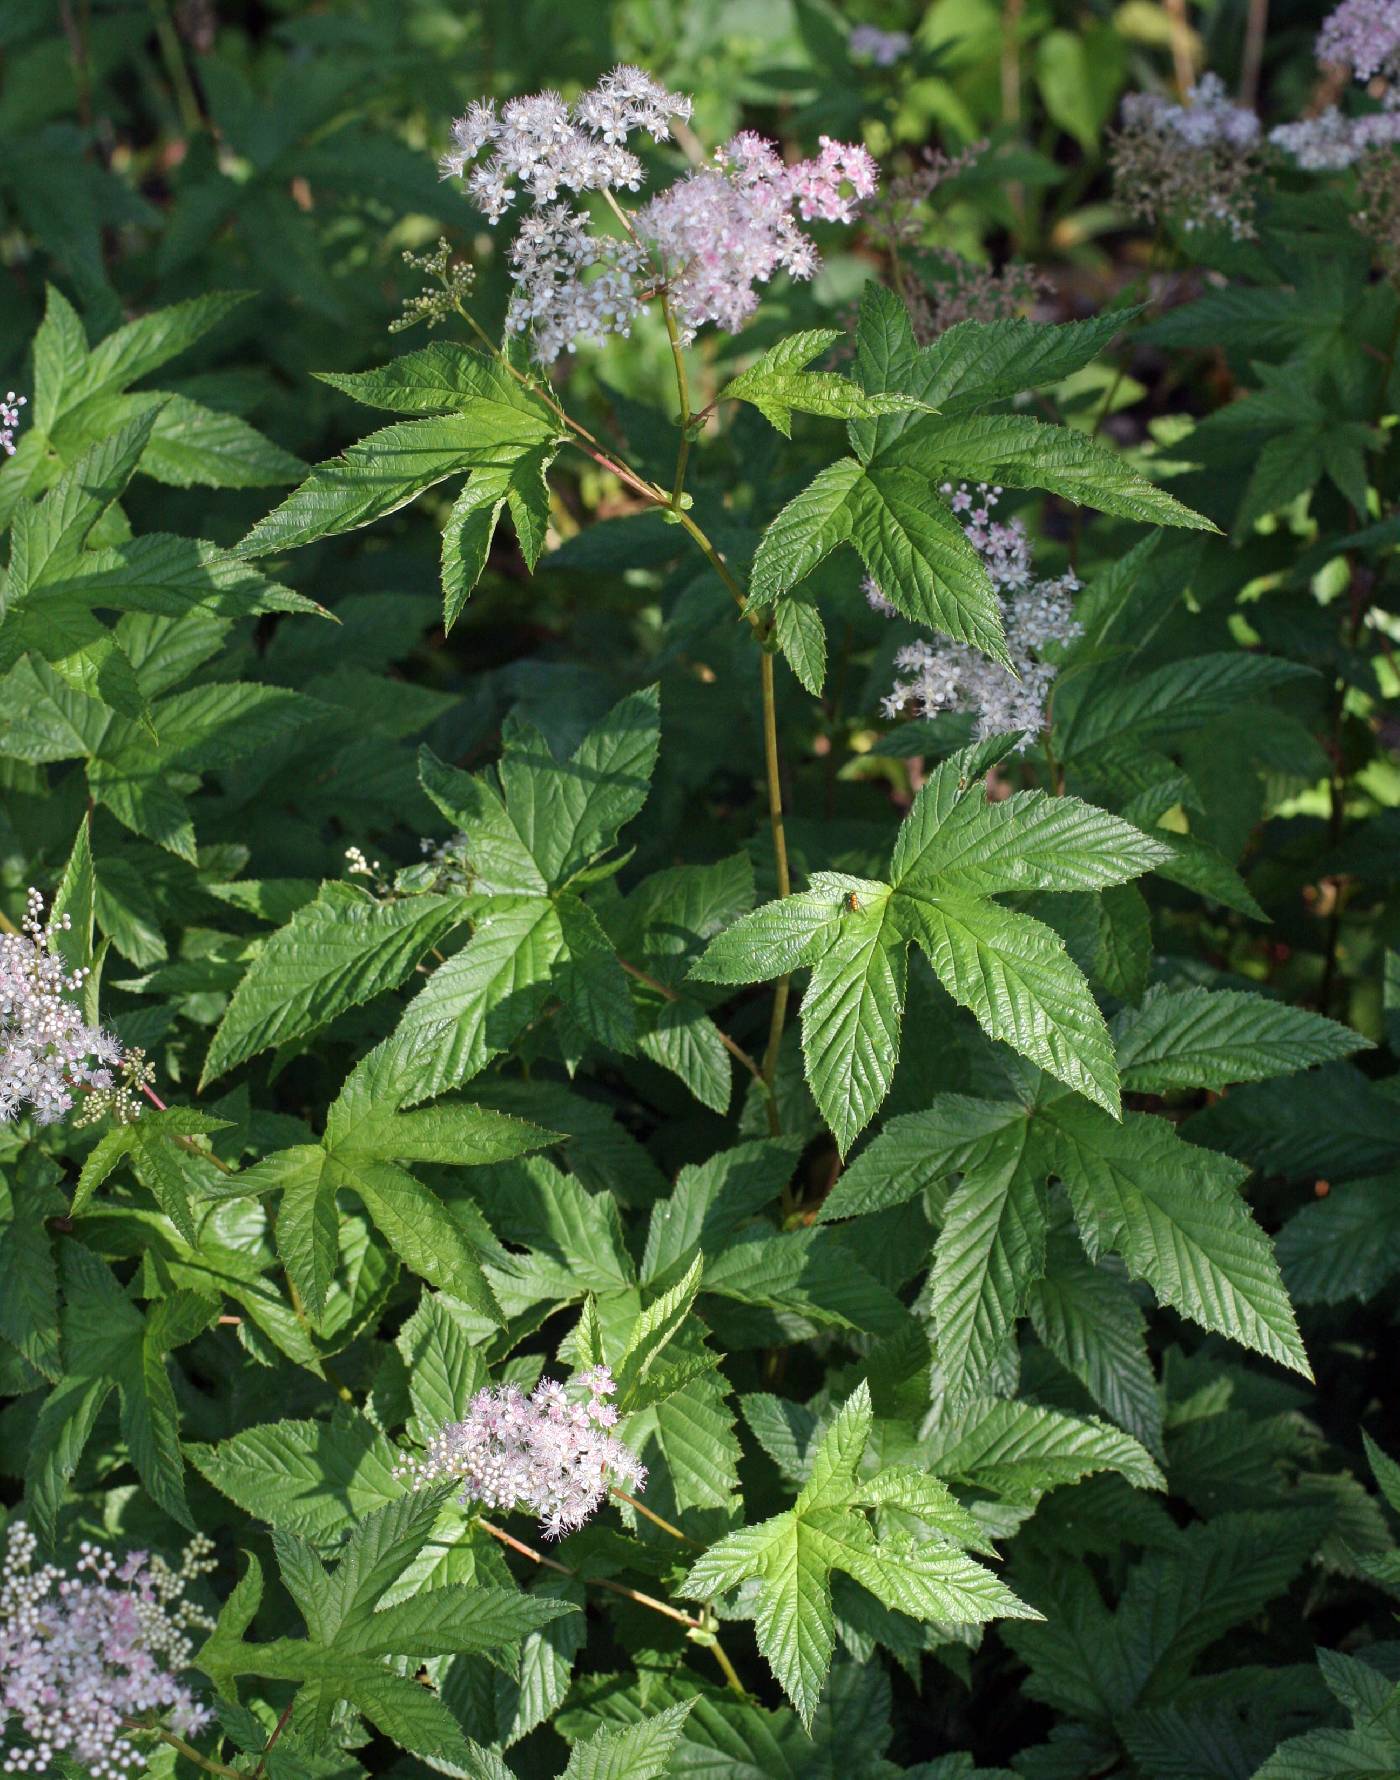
<point x="736" y="1051"/>
<point x="711" y="1637"/>
<point x="655" y="1519"/>
<point x="173" y="55"/>
<point x="683" y="392"/>
<point x="780" y="859"/>
<point x="188" y="1750"/>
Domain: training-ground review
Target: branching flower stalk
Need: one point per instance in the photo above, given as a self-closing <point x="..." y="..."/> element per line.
<point x="704" y="243"/>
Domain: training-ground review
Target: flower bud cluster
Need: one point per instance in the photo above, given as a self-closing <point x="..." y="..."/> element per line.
<point x="1196" y="161"/>
<point x="452" y="281"/>
<point x="47" y="1049"/>
<point x="545" y="1452"/>
<point x="84" y="1654"/>
<point x="9" y="420"/>
<point x="951" y="676"/>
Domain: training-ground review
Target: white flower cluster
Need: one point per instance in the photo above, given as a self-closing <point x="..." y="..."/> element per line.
<point x="47" y="1049"/>
<point x="1331" y="140"/>
<point x="868" y="43"/>
<point x="1208" y="117"/>
<point x="706" y="241"/>
<point x="9" y="420"/>
<point x="83" y="1655"/>
<point x="1363" y="35"/>
<point x="543" y="145"/>
<point x="949" y="676"/>
<point x="544" y="1452"/>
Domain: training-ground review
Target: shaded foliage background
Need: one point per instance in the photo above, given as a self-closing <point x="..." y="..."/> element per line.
<point x="154" y="154"/>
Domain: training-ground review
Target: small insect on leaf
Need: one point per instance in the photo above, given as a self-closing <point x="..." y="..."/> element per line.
<point x="853" y="902"/>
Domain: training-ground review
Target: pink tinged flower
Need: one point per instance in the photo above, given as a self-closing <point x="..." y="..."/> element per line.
<point x="1363" y="35"/>
<point x="79" y="1656"/>
<point x="546" y="1453"/>
<point x="9" y="420"/>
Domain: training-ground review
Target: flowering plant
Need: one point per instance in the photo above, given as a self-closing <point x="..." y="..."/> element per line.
<point x="696" y="1039"/>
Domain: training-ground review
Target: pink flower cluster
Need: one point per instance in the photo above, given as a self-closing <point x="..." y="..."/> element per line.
<point x="1363" y="35"/>
<point x="83" y="1655"/>
<point x="707" y="241"/>
<point x="720" y="232"/>
<point x="46" y="1047"/>
<point x="951" y="676"/>
<point x="545" y="1452"/>
<point x="9" y="420"/>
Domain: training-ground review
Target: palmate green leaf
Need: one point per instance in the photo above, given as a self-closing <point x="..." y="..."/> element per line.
<point x="1011" y="971"/>
<point x="686" y="1041"/>
<point x="335" y="953"/>
<point x="1015" y="976"/>
<point x="567" y="812"/>
<point x="1175" y="1214"/>
<point x="192" y="445"/>
<point x="638" y="1752"/>
<point x="710" y="1202"/>
<point x="376" y="477"/>
<point x="316" y="1478"/>
<point x="444" y="1369"/>
<point x="1169" y="701"/>
<point x="29" y="1320"/>
<point x="152" y="1147"/>
<point x="905" y="534"/>
<point x="109" y="1346"/>
<point x="1201" y="1038"/>
<point x="1020" y="1450"/>
<point x="851" y="1014"/>
<point x="919" y="1152"/>
<point x="1344" y="1246"/>
<point x="519" y="485"/>
<point x="475" y="1005"/>
<point x="1014" y="451"/>
<point x="792" y="1557"/>
<point x="807" y="1273"/>
<point x="990" y="1251"/>
<point x="1088" y="1318"/>
<point x="349" y="1632"/>
<point x="777" y="383"/>
<point x="969" y="365"/>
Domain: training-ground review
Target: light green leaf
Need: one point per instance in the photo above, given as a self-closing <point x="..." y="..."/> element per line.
<point x="1175" y="1214"/>
<point x="1015" y="976"/>
<point x="851" y="1014"/>
<point x="335" y="953"/>
<point x="1201" y="1038"/>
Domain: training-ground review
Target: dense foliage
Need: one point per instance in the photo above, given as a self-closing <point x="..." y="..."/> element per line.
<point x="698" y="1007"/>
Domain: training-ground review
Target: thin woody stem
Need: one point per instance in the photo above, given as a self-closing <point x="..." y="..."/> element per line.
<point x="620" y="1588"/>
<point x="656" y="1520"/>
<point x="278" y="1728"/>
<point x="775" y="819"/>
<point x="736" y="1051"/>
